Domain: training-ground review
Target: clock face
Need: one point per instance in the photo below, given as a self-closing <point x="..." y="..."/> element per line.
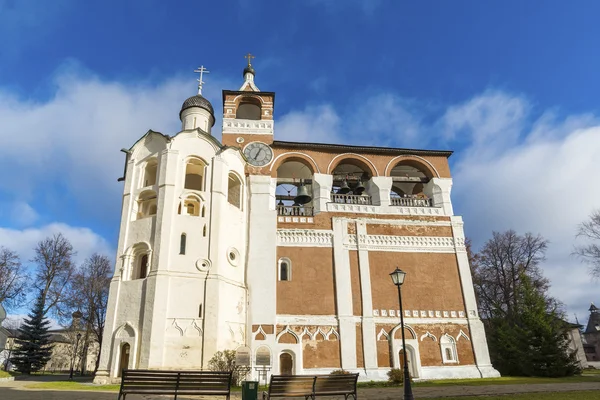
<point x="258" y="154"/>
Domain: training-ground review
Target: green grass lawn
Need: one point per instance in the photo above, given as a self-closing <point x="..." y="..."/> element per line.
<point x="584" y="395"/>
<point x="4" y="374"/>
<point x="505" y="380"/>
<point x="591" y="371"/>
<point x="508" y="380"/>
<point x="68" y="385"/>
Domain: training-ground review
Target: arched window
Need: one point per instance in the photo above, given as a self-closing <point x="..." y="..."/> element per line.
<point x="194" y="174"/>
<point x="448" y="347"/>
<point x="249" y="108"/>
<point x="138" y="262"/>
<point x="182" y="243"/>
<point x="234" y="191"/>
<point x="143" y="269"/>
<point x="191" y="206"/>
<point x="285" y="269"/>
<point x="150" y="173"/>
<point x="146" y="204"/>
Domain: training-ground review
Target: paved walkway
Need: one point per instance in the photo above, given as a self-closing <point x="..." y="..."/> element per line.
<point x="16" y="390"/>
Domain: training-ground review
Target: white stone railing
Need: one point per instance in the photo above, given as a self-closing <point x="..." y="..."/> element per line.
<point x="261" y="127"/>
<point x="295" y="211"/>
<point x="410" y="202"/>
<point x="350" y="199"/>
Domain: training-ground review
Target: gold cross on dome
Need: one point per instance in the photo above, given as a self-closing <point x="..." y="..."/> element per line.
<point x="202" y="71"/>
<point x="249" y="57"/>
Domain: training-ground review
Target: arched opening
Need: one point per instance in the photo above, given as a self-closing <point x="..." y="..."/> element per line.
<point x="139" y="262"/>
<point x="409" y="180"/>
<point x="448" y="348"/>
<point x="294" y="192"/>
<point x="150" y="172"/>
<point x="234" y="191"/>
<point x="285" y="269"/>
<point x="349" y="179"/>
<point x="410" y="360"/>
<point x="146" y="204"/>
<point x="191" y="206"/>
<point x="249" y="108"/>
<point x="124" y="359"/>
<point x="194" y="174"/>
<point x="286" y="364"/>
<point x="182" y="241"/>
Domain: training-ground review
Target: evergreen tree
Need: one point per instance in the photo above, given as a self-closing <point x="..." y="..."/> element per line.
<point x="535" y="342"/>
<point x="526" y="333"/>
<point x="33" y="348"/>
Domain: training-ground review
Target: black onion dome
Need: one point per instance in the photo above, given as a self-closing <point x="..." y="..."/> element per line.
<point x="198" y="101"/>
<point x="249" y="69"/>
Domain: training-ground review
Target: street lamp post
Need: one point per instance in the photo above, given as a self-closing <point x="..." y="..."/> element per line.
<point x="398" y="278"/>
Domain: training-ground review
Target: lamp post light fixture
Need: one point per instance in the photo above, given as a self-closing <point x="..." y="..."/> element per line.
<point x="398" y="278"/>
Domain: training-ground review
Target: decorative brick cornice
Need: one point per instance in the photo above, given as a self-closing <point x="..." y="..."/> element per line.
<point x="324" y="238"/>
<point x="304" y="237"/>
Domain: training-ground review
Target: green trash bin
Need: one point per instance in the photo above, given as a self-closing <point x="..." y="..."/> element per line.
<point x="249" y="390"/>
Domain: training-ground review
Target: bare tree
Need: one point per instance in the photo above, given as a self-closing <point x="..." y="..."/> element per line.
<point x="13" y="279"/>
<point x="88" y="293"/>
<point x="590" y="253"/>
<point x="55" y="267"/>
<point x="498" y="269"/>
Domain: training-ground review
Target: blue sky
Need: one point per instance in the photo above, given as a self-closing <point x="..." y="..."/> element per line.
<point x="511" y="86"/>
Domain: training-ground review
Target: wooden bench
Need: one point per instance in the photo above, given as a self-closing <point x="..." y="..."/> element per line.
<point x="175" y="383"/>
<point x="291" y="386"/>
<point x="312" y="386"/>
<point x="332" y="385"/>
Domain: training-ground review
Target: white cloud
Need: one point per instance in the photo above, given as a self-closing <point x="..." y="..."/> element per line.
<point x="85" y="242"/>
<point x="21" y="214"/>
<point x="74" y="137"/>
<point x="313" y="124"/>
<point x="542" y="184"/>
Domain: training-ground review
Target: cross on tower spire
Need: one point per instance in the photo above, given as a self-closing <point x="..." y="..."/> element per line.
<point x="202" y="71"/>
<point x="249" y="57"/>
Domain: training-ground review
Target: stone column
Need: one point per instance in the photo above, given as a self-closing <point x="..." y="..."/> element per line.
<point x="322" y="184"/>
<point x="368" y="324"/>
<point x="262" y="254"/>
<point x="343" y="291"/>
<point x="379" y="188"/>
<point x="153" y="324"/>
<point x="439" y="190"/>
<point x="478" y="340"/>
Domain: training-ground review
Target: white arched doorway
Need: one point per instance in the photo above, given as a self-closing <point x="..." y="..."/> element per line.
<point x="410" y="360"/>
<point x="412" y="350"/>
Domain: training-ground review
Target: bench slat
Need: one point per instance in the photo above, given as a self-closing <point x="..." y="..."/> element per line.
<point x="175" y="382"/>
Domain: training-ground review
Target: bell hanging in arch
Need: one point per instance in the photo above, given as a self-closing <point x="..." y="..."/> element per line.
<point x="360" y="188"/>
<point x="302" y="197"/>
<point x="344" y="188"/>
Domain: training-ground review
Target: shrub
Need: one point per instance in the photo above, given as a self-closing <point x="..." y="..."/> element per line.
<point x="339" y="372"/>
<point x="225" y="361"/>
<point x="396" y="376"/>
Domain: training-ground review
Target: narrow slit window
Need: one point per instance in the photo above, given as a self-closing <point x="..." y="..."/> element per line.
<point x="285" y="273"/>
<point x="200" y="311"/>
<point x="204" y="231"/>
<point x="182" y="243"/>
